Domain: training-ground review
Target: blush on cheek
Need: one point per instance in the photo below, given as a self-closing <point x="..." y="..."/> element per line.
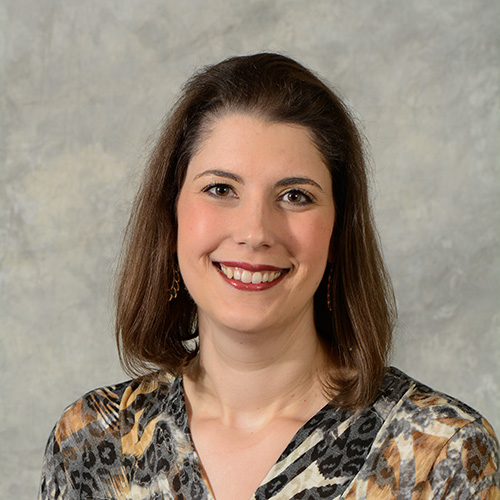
<point x="201" y="228"/>
<point x="320" y="232"/>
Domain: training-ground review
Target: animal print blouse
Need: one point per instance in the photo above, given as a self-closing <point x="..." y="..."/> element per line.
<point x="132" y="441"/>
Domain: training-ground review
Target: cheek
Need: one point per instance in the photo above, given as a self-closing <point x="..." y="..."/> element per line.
<point x="314" y="239"/>
<point x="197" y="227"/>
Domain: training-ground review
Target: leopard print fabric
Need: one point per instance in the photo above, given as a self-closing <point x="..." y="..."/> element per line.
<point x="132" y="442"/>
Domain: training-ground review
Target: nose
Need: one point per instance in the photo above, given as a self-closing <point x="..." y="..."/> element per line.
<point x="255" y="225"/>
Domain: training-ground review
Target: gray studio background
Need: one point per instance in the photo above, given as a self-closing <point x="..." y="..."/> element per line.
<point x="84" y="87"/>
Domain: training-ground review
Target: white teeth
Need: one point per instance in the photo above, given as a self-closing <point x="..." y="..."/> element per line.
<point x="248" y="277"/>
<point x="257" y="278"/>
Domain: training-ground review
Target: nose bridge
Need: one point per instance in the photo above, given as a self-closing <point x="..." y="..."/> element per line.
<point x="255" y="222"/>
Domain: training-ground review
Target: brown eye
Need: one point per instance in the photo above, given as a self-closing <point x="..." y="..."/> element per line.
<point x="296" y="197"/>
<point x="219" y="190"/>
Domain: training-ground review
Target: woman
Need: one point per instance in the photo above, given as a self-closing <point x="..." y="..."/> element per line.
<point x="256" y="314"/>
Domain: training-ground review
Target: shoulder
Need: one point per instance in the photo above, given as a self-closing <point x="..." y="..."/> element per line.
<point x="103" y="411"/>
<point x="418" y="409"/>
<point x="88" y="448"/>
<point x="403" y="398"/>
<point x="448" y="446"/>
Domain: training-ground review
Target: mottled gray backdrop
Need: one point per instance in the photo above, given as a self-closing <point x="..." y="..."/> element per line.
<point x="84" y="87"/>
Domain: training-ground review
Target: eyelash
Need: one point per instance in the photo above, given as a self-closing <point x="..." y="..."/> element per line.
<point x="211" y="189"/>
<point x="308" y="198"/>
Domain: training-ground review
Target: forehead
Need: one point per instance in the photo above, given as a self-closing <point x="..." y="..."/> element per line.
<point x="252" y="143"/>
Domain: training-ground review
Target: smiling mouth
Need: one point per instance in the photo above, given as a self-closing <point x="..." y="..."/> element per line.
<point x="254" y="277"/>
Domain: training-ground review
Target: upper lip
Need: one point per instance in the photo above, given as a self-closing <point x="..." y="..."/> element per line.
<point x="251" y="267"/>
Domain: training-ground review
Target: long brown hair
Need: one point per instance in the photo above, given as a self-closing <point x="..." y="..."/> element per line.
<point x="152" y="332"/>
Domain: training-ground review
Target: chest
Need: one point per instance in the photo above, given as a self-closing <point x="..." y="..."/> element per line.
<point x="235" y="462"/>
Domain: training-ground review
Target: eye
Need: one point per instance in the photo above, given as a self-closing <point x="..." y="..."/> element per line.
<point x="219" y="190"/>
<point x="297" y="197"/>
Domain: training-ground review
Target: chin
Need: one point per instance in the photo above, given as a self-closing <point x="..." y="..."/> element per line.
<point x="248" y="325"/>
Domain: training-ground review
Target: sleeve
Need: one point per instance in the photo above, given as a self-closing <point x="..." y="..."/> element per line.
<point x="468" y="466"/>
<point x="55" y="483"/>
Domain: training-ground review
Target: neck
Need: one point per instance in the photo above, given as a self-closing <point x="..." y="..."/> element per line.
<point x="246" y="379"/>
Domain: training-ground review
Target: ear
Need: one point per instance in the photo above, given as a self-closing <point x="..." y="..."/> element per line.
<point x="331" y="252"/>
<point x="172" y="243"/>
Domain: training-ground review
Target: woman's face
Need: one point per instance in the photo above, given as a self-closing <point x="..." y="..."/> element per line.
<point x="255" y="217"/>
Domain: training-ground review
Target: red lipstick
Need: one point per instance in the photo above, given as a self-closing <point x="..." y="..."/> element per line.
<point x="234" y="274"/>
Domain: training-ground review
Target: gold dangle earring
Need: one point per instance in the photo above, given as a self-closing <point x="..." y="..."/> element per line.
<point x="329" y="291"/>
<point x="174" y="288"/>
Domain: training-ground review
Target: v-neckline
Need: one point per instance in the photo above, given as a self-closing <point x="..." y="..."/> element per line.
<point x="309" y="427"/>
<point x="334" y="442"/>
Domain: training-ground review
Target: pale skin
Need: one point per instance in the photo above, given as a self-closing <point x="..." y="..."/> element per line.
<point x="257" y="198"/>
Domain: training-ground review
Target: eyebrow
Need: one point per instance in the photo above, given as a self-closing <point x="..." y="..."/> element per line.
<point x="290" y="181"/>
<point x="287" y="181"/>
<point x="221" y="173"/>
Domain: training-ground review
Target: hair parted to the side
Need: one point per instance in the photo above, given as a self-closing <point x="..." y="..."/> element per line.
<point x="152" y="331"/>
